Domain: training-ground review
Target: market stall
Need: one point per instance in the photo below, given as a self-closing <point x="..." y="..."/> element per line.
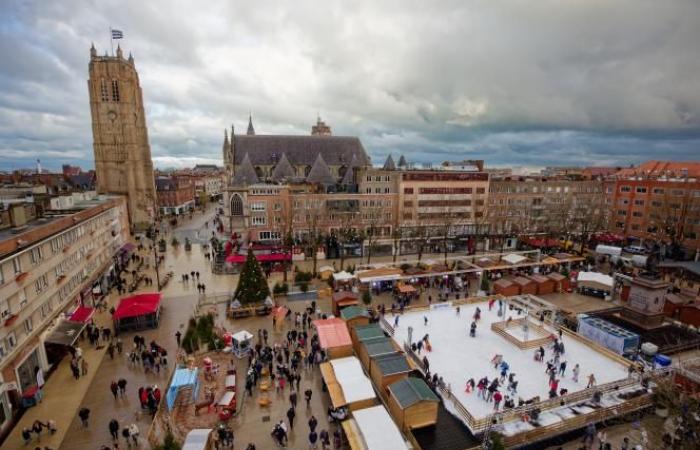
<point x="241" y="343"/>
<point x="561" y="283"/>
<point x="387" y="369"/>
<point x="594" y="284"/>
<point x="506" y="287"/>
<point x="182" y="378"/>
<point x="525" y="285"/>
<point x="373" y="429"/>
<point x="544" y="285"/>
<point x="362" y="333"/>
<point x="354" y="315"/>
<point x="341" y="299"/>
<point x="334" y="337"/>
<point x="413" y="403"/>
<point x="347" y="384"/>
<point x="137" y="312"/>
<point x="513" y="258"/>
<point x="376" y="347"/>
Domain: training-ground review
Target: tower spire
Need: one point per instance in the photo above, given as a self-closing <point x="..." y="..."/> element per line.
<point x="251" y="130"/>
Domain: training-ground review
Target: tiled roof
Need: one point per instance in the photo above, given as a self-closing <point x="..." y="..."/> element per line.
<point x="657" y="168"/>
<point x="320" y="173"/>
<point x="245" y="173"/>
<point x="283" y="169"/>
<point x="389" y="164"/>
<point x="412" y="390"/>
<point x="301" y="150"/>
<point x="392" y="363"/>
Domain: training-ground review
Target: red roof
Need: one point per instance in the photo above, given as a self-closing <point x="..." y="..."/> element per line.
<point x="82" y="314"/>
<point x="657" y="168"/>
<point x="138" y="305"/>
<point x="332" y="333"/>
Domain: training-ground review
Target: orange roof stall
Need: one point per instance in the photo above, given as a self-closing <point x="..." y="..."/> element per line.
<point x="525" y="285"/>
<point x="342" y="299"/>
<point x="561" y="283"/>
<point x="334" y="337"/>
<point x="506" y="287"/>
<point x="544" y="285"/>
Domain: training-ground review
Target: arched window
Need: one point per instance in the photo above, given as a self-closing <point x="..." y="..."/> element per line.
<point x="115" y="91"/>
<point x="236" y="205"/>
<point x="104" y="94"/>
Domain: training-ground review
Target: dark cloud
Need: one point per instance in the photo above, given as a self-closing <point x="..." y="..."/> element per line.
<point x="515" y="83"/>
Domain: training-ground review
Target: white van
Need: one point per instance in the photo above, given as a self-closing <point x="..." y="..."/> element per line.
<point x="198" y="439"/>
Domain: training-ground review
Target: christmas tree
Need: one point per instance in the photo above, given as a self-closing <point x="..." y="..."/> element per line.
<point x="252" y="285"/>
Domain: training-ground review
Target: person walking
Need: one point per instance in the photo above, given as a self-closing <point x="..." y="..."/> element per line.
<point x="114" y="429"/>
<point x="83" y="366"/>
<point x="84" y="415"/>
<point x="313" y="422"/>
<point x="307" y="395"/>
<point x="114" y="387"/>
<point x="134" y="433"/>
<point x="313" y="440"/>
<point x="293" y="398"/>
<point x="290" y="415"/>
<point x="562" y="368"/>
<point x="122" y="387"/>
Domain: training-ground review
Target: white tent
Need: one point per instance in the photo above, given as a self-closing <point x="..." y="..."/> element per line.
<point x="343" y="276"/>
<point x="595" y="278"/>
<point x="512" y="258"/>
<point x="352" y="380"/>
<point x="242" y="335"/>
<point x="326" y="269"/>
<point x="378" y="430"/>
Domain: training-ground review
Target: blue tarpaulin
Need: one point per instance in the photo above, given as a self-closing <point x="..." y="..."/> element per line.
<point x="182" y="378"/>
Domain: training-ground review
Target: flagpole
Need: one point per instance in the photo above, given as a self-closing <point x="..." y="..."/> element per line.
<point x="111" y="40"/>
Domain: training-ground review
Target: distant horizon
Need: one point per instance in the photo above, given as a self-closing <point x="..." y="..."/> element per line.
<point x="521" y="84"/>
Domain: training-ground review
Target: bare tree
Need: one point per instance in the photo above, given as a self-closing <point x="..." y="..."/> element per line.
<point x="396" y="235"/>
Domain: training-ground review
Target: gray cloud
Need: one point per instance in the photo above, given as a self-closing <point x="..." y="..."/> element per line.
<point x="516" y="83"/>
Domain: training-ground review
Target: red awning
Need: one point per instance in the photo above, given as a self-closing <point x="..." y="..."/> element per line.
<point x="269" y="257"/>
<point x="82" y="314"/>
<point x="138" y="305"/>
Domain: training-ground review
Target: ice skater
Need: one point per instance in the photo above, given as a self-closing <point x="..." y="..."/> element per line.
<point x="562" y="368"/>
<point x="477" y="314"/>
<point x="470" y="386"/>
<point x="425" y="321"/>
<point x="591" y="381"/>
<point x="396" y="321"/>
<point x="496" y="360"/>
<point x="472" y="329"/>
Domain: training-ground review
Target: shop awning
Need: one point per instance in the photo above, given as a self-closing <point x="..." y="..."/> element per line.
<point x="66" y="333"/>
<point x="381" y="274"/>
<point x="406" y="289"/>
<point x="138" y="305"/>
<point x="82" y="314"/>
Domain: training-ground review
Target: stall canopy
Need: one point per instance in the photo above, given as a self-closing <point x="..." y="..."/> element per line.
<point x="343" y="276"/>
<point x="82" y="314"/>
<point x="406" y="289"/>
<point x="381" y="274"/>
<point x="351" y="312"/>
<point x="512" y="258"/>
<point x="347" y="382"/>
<point x="332" y="333"/>
<point x="242" y="335"/>
<point x="595" y="280"/>
<point x="182" y="378"/>
<point x="66" y="333"/>
<point x="378" y="430"/>
<point x="410" y="391"/>
<point x="269" y="257"/>
<point x="138" y="305"/>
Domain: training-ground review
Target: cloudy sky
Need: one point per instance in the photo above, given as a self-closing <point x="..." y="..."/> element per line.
<point x="520" y="82"/>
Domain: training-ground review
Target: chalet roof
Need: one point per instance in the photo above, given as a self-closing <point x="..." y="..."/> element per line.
<point x="389" y="164"/>
<point x="320" y="173"/>
<point x="301" y="150"/>
<point x="349" y="174"/>
<point x="371" y="331"/>
<point x="352" y="312"/>
<point x="283" y="169"/>
<point x="245" y="173"/>
<point x="392" y="363"/>
<point x="410" y="391"/>
<point x="379" y="346"/>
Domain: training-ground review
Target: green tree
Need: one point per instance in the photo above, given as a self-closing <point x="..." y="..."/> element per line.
<point x="252" y="285"/>
<point x="169" y="443"/>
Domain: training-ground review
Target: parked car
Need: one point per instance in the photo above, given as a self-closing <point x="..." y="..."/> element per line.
<point x="635" y="250"/>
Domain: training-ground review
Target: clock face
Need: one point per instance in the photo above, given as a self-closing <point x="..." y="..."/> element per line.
<point x="112" y="115"/>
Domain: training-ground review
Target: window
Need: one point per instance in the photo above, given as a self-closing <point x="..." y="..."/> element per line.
<point x="408" y="190"/>
<point x="3" y="352"/>
<point x="641" y="190"/>
<point x="104" y="94"/>
<point x="16" y="263"/>
<point x="269" y="235"/>
<point x="40" y="283"/>
<point x="11" y="340"/>
<point x="369" y="177"/>
<point x="637" y="214"/>
<point x="625" y="189"/>
<point x="386" y="190"/>
<point x="257" y="206"/>
<point x="277" y="207"/>
<point x="45" y="309"/>
<point x="2" y="277"/>
<point x="621" y="212"/>
<point x="478" y="190"/>
<point x="28" y="326"/>
<point x="258" y="220"/>
<point x="368" y="190"/>
<point x="635" y="227"/>
<point x="115" y="91"/>
<point x="678" y="192"/>
<point x="639" y="202"/>
<point x="657" y="191"/>
<point x="236" y="205"/>
<point x="35" y="255"/>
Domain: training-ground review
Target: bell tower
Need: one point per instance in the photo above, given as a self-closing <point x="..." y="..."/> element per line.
<point x="123" y="162"/>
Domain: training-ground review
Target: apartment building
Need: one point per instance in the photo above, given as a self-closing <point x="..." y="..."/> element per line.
<point x="659" y="201"/>
<point x="175" y="194"/>
<point x="559" y="205"/>
<point x="48" y="265"/>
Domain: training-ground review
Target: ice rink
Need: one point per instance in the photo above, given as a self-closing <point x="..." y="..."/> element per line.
<point x="457" y="357"/>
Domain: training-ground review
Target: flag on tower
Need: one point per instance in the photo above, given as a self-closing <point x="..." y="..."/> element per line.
<point x="117" y="34"/>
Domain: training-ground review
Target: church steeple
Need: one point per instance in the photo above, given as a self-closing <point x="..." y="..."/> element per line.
<point x="251" y="130"/>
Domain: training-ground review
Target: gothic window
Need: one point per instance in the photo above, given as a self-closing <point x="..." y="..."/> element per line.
<point x="115" y="91"/>
<point x="104" y="93"/>
<point x="236" y="205"/>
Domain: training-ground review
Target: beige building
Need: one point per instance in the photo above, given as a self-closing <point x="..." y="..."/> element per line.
<point x="122" y="153"/>
<point x="47" y="266"/>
